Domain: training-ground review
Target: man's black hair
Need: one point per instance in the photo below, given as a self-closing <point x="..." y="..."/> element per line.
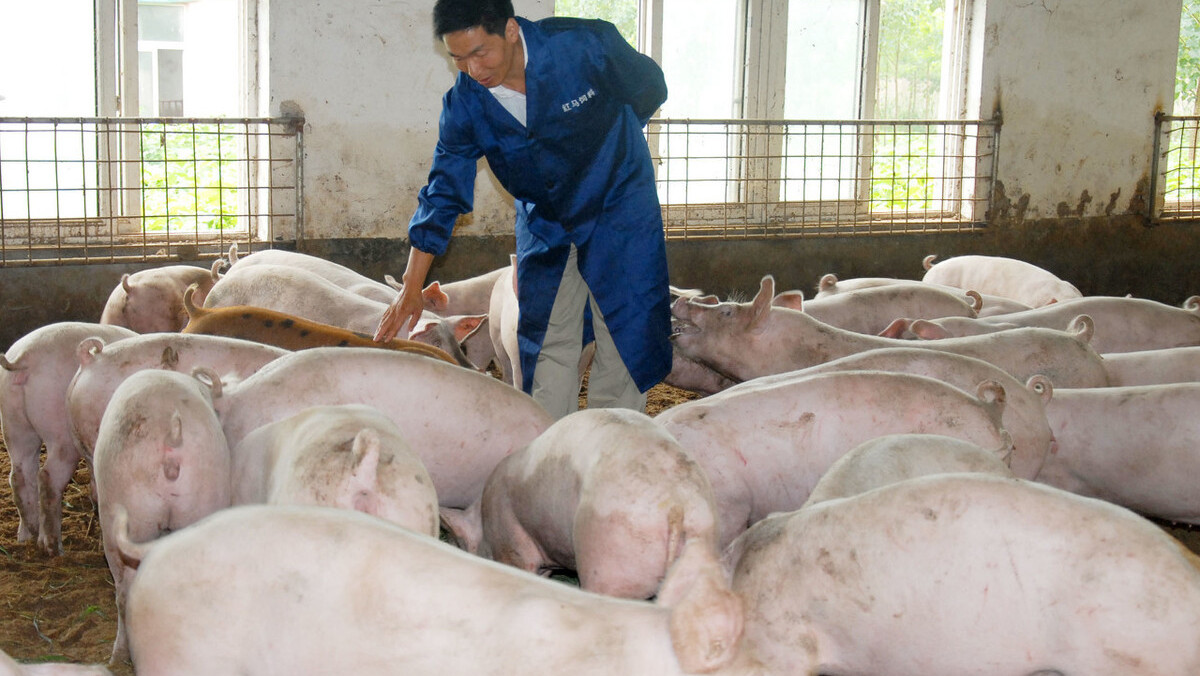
<point x="450" y="16"/>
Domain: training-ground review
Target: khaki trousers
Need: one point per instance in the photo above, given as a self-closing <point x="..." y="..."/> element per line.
<point x="556" y="378"/>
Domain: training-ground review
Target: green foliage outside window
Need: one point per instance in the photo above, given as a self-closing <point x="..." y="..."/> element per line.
<point x="622" y="13"/>
<point x="190" y="178"/>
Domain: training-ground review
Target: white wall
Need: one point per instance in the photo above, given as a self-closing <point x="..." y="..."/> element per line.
<point x="1078" y="82"/>
<point x="369" y="77"/>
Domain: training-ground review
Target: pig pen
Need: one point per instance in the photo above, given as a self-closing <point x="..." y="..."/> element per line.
<point x="63" y="608"/>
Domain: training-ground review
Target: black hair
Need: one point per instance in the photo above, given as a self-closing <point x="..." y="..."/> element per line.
<point x="450" y="16"/>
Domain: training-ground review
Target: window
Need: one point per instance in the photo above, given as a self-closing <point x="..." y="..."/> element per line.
<point x="791" y="115"/>
<point x="93" y="149"/>
<point x="1177" y="176"/>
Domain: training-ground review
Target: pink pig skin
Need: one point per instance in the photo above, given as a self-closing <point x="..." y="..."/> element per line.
<point x="871" y="310"/>
<point x="967" y="574"/>
<point x="102" y="368"/>
<point x="986" y="305"/>
<point x="161" y="459"/>
<point x="1005" y="277"/>
<point x="459" y="422"/>
<point x="1121" y="324"/>
<point x="34" y="376"/>
<point x="604" y="492"/>
<point x="349" y="456"/>
<point x="892" y="458"/>
<point x="1154" y="367"/>
<point x="150" y="301"/>
<point x="1134" y="446"/>
<point x="279" y="591"/>
<point x="10" y="667"/>
<point x="746" y="340"/>
<point x="765" y="446"/>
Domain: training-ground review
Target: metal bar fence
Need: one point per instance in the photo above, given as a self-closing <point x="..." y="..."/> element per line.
<point x="1175" y="171"/>
<point x="732" y="179"/>
<point x="103" y="190"/>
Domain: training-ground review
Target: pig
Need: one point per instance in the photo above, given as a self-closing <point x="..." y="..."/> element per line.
<point x="10" y="667"/>
<point x="1024" y="415"/>
<point x="471" y="297"/>
<point x="691" y="375"/>
<point x="985" y="305"/>
<point x="290" y="332"/>
<point x="895" y="457"/>
<point x="298" y="292"/>
<point x="161" y="456"/>
<point x="1121" y="324"/>
<point x="603" y="492"/>
<point x="348" y="456"/>
<point x="336" y="273"/>
<point x="34" y="375"/>
<point x="103" y="367"/>
<point x="871" y="310"/>
<point x="1133" y="446"/>
<point x="1005" y="277"/>
<point x="1153" y="367"/>
<point x="502" y="325"/>
<point x="746" y="340"/>
<point x="967" y="574"/>
<point x="278" y="591"/>
<point x="460" y="422"/>
<point x="764" y="446"/>
<point x="151" y="300"/>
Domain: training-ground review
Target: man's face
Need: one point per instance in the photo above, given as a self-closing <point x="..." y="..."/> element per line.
<point x="489" y="59"/>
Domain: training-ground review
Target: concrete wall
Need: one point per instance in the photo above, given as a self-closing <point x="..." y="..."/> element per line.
<point x="1078" y="82"/>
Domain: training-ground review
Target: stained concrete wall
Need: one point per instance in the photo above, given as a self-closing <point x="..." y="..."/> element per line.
<point x="1078" y="82"/>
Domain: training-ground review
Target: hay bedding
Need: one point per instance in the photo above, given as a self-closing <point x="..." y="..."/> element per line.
<point x="62" y="608"/>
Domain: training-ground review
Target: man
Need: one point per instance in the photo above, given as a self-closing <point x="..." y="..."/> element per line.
<point x="557" y="107"/>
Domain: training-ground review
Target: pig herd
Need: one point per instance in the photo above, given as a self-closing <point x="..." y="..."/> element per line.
<point x="931" y="477"/>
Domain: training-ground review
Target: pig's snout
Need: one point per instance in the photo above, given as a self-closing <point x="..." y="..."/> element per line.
<point x="681" y="318"/>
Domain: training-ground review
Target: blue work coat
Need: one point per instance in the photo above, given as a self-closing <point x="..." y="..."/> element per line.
<point x="580" y="173"/>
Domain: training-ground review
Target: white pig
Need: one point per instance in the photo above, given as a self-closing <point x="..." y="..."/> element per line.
<point x="279" y="591"/>
<point x="1006" y="277"/>
<point x="10" y="667"/>
<point x="1134" y="446"/>
<point x="348" y="456"/>
<point x="603" y="492"/>
<point x="871" y="310"/>
<point x="162" y="457"/>
<point x="746" y="340"/>
<point x="1024" y="415"/>
<point x="460" y="422"/>
<point x="151" y="300"/>
<point x="893" y="458"/>
<point x="986" y="305"/>
<point x="34" y="376"/>
<point x="1153" y="367"/>
<point x="967" y="574"/>
<point x="764" y="446"/>
<point x="102" y="368"/>
<point x="1121" y="324"/>
<point x="334" y="272"/>
<point x="503" y="313"/>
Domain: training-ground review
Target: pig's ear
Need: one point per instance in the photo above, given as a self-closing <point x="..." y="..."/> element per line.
<point x="435" y="299"/>
<point x="896" y="329"/>
<point x="88" y="349"/>
<point x="464" y="526"/>
<point x="760" y="307"/>
<point x="790" y="299"/>
<point x="467" y="325"/>
<point x="827" y="283"/>
<point x="926" y="330"/>
<point x="707" y="618"/>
